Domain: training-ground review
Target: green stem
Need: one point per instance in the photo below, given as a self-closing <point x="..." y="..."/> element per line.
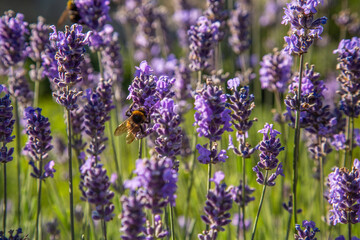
<point x="297" y="140"/>
<point x="288" y="227"/>
<point x="172" y="222"/>
<point x="351" y="141"/>
<point x="191" y="183"/>
<point x="70" y="174"/>
<point x="239" y="209"/>
<point x="349" y="226"/>
<point x="37" y="86"/>
<point x="260" y="205"/>
<point x="199" y="80"/>
<point x="140" y="148"/>
<point x="114" y="153"/>
<point x="209" y="184"/>
<point x="18" y="157"/>
<point x="101" y="70"/>
<point x="322" y="205"/>
<point x="5" y="201"/>
<point x="243" y="198"/>
<point x="104" y="228"/>
<point x="38" y="225"/>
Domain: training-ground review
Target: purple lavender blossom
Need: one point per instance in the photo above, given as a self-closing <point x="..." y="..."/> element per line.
<point x="275" y="71"/>
<point x="344" y="194"/>
<point x="52" y="228"/>
<point x="70" y="52"/>
<point x="341" y="237"/>
<point x="159" y="231"/>
<point x="239" y="24"/>
<point x="185" y="16"/>
<point x="78" y="128"/>
<point x="95" y="118"/>
<point x="308" y="233"/>
<point x="13" y="31"/>
<point x="339" y="141"/>
<point x="270" y="15"/>
<point x="203" y="36"/>
<point x="218" y="203"/>
<point x="213" y="119"/>
<point x="216" y="11"/>
<point x="349" y="21"/>
<point x="289" y="207"/>
<point x="49" y="63"/>
<point x="132" y="218"/>
<point x="182" y="86"/>
<point x="237" y="195"/>
<point x="235" y="222"/>
<point x="156" y="180"/>
<point x="6" y="126"/>
<point x="167" y="127"/>
<point x="94" y="186"/>
<point x="17" y="236"/>
<point x="19" y="88"/>
<point x="165" y="66"/>
<point x="93" y="13"/>
<point x="270" y="148"/>
<point x="304" y="29"/>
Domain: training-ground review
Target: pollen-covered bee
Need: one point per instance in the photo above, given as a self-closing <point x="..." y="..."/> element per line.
<point x="70" y="12"/>
<point x="132" y="125"/>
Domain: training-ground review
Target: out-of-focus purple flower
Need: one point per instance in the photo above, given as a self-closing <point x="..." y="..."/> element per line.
<point x="344" y="194"/>
<point x="182" y="86"/>
<point x="237" y="194"/>
<point x="218" y="203"/>
<point x="38" y="130"/>
<point x="341" y="237"/>
<point x="165" y="66"/>
<point x="156" y="179"/>
<point x="239" y="24"/>
<point x="203" y="36"/>
<point x="348" y="20"/>
<point x="52" y="228"/>
<point x="235" y="221"/>
<point x="13" y="31"/>
<point x="289" y="207"/>
<point x="132" y="218"/>
<point x="93" y="13"/>
<point x="216" y="11"/>
<point x="6" y="126"/>
<point x="309" y="232"/>
<point x="270" y="14"/>
<point x="184" y="19"/>
<point x="78" y="129"/>
<point x="339" y="142"/>
<point x="49" y="63"/>
<point x="158" y="229"/>
<point x="70" y="47"/>
<point x="270" y="148"/>
<point x="275" y="71"/>
<point x="208" y="235"/>
<point x="19" y="88"/>
<point x="94" y="186"/>
<point x="17" y="236"/>
<point x="39" y="38"/>
<point x="349" y="65"/>
<point x="95" y="118"/>
<point x="49" y="169"/>
<point x="304" y="28"/>
<point x="167" y="127"/>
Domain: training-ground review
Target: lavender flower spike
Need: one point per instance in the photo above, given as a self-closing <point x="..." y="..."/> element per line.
<point x="308" y="233"/>
<point x="270" y="148"/>
<point x="93" y="13"/>
<point x="6" y="127"/>
<point x="218" y="203"/>
<point x="13" y="31"/>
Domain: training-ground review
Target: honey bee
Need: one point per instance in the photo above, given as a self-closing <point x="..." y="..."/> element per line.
<point x="70" y="12"/>
<point x="132" y="125"/>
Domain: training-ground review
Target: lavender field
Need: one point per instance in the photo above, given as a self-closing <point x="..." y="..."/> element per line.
<point x="214" y="119"/>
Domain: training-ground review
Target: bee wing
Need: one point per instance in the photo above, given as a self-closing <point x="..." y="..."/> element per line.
<point x="122" y="128"/>
<point x="130" y="137"/>
<point x="63" y="17"/>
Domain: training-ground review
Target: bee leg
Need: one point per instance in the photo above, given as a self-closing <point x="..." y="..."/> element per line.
<point x="128" y="112"/>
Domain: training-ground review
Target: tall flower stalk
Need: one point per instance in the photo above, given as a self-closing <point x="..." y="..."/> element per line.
<point x="270" y="148"/>
<point x="304" y="30"/>
<point x="37" y="147"/>
<point x="70" y="53"/>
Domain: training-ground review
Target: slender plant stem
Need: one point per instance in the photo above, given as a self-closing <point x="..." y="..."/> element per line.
<point x="153" y="225"/>
<point x="114" y="153"/>
<point x="187" y="204"/>
<point x="104" y="228"/>
<point x="349" y="226"/>
<point x="297" y="140"/>
<point x="171" y="208"/>
<point x="140" y="148"/>
<point x="347" y="137"/>
<point x="322" y="205"/>
<point x="5" y="201"/>
<point x="38" y="225"/>
<point x="208" y="185"/>
<point x="288" y="227"/>
<point x="260" y="205"/>
<point x="70" y="174"/>
<point x="37" y="86"/>
<point x="351" y="141"/>
<point x="101" y="70"/>
<point x="243" y="197"/>
<point x="239" y="208"/>
<point x="199" y="80"/>
<point x="18" y="157"/>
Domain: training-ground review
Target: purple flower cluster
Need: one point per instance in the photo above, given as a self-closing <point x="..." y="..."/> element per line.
<point x="166" y="125"/>
<point x="239" y="24"/>
<point x="39" y="142"/>
<point x="344" y="194"/>
<point x="78" y="128"/>
<point x="218" y="204"/>
<point x="182" y="86"/>
<point x="95" y="117"/>
<point x="349" y="65"/>
<point x="6" y="126"/>
<point x="185" y="16"/>
<point x="156" y="180"/>
<point x="203" y="36"/>
<point x="13" y="31"/>
<point x="132" y="218"/>
<point x="275" y="71"/>
<point x="17" y="236"/>
<point x="70" y="53"/>
<point x="216" y="11"/>
<point x="94" y="186"/>
<point x="157" y="230"/>
<point x="270" y="148"/>
<point x="93" y="13"/>
<point x="309" y="232"/>
<point x="349" y="21"/>
<point x="39" y="38"/>
<point x="241" y="102"/>
<point x="238" y="196"/>
<point x="304" y="28"/>
<point x="212" y="119"/>
<point x="19" y="88"/>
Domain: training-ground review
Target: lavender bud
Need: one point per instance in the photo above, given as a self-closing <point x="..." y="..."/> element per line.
<point x="308" y="233"/>
<point x="6" y="127"/>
